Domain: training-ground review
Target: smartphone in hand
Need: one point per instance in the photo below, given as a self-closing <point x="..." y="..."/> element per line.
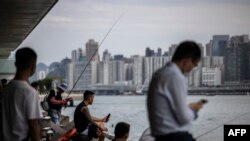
<point x="203" y="101"/>
<point x="107" y="119"/>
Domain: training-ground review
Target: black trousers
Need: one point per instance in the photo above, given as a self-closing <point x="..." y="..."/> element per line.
<point x="178" y="136"/>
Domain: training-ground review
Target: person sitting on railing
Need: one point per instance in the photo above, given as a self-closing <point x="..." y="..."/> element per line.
<point x="85" y="123"/>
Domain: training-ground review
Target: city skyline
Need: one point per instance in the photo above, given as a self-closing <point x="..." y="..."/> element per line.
<point x="207" y="49"/>
<point x="226" y="59"/>
<point x="145" y="23"/>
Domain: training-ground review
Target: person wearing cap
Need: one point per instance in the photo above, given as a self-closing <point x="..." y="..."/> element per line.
<point x="56" y="102"/>
<point x="82" y="117"/>
<point x="21" y="109"/>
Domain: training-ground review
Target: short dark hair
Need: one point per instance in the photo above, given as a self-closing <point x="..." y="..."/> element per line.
<point x="187" y="49"/>
<point x="121" y="129"/>
<point x="25" y="57"/>
<point x="87" y="94"/>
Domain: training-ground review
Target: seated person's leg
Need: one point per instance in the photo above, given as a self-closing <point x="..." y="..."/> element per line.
<point x="101" y="124"/>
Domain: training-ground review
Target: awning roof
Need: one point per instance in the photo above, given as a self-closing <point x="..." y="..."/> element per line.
<point x="17" y="19"/>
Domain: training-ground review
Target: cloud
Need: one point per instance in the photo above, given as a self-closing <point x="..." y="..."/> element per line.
<point x="151" y="23"/>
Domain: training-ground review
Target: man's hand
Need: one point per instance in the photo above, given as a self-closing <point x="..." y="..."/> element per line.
<point x="64" y="102"/>
<point x="106" y="118"/>
<point x="69" y="99"/>
<point x="196" y="106"/>
<point x="104" y="129"/>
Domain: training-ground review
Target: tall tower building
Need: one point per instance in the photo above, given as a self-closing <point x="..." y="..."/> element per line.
<point x="92" y="49"/>
<point x="172" y="50"/>
<point x="219" y="45"/>
<point x="137" y="70"/>
<point x="106" y="56"/>
<point x="208" y="49"/>
<point x="159" y="52"/>
<point x="237" y="59"/>
<point x="77" y="55"/>
<point x="149" y="52"/>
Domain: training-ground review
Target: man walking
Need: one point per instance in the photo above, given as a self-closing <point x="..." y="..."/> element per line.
<point x="21" y="112"/>
<point x="169" y="114"/>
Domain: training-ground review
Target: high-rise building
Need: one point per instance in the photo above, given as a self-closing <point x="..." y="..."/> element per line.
<point x="194" y="77"/>
<point x="152" y="64"/>
<point x="208" y="49"/>
<point x="128" y="71"/>
<point x="148" y="69"/>
<point x="74" y="71"/>
<point x="149" y="52"/>
<point x="86" y="78"/>
<point x="118" y="57"/>
<point x="137" y="70"/>
<point x="106" y="56"/>
<point x="77" y="55"/>
<point x="206" y="61"/>
<point x="202" y="49"/>
<point x="92" y="50"/>
<point x="74" y="56"/>
<point x="118" y="71"/>
<point x="94" y="72"/>
<point x="104" y="73"/>
<point x="166" y="53"/>
<point x="110" y="69"/>
<point x="219" y="62"/>
<point x="70" y="75"/>
<point x="237" y="59"/>
<point x="159" y="52"/>
<point x="172" y="49"/>
<point x="219" y="45"/>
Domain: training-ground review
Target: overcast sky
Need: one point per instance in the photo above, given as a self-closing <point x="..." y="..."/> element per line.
<point x="154" y="23"/>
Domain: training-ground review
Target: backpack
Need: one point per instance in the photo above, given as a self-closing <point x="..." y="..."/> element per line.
<point x="45" y="103"/>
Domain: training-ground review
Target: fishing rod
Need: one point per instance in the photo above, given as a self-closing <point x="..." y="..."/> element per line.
<point x="209" y="131"/>
<point x="95" y="53"/>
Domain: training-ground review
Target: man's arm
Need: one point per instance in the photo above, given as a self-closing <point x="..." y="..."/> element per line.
<point x="86" y="112"/>
<point x="98" y="119"/>
<point x="33" y="115"/>
<point x="57" y="102"/>
<point x="34" y="129"/>
<point x="53" y="100"/>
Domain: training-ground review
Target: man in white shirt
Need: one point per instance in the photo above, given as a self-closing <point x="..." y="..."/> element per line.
<point x="21" y="111"/>
<point x="170" y="116"/>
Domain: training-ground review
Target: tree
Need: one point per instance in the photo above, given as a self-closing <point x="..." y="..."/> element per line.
<point x="45" y="85"/>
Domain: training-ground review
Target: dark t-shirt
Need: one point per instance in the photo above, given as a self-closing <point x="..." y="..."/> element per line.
<point x="80" y="119"/>
<point x="57" y="97"/>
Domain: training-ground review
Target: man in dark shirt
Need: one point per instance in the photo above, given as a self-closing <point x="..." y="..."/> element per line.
<point x="56" y="102"/>
<point x="82" y="117"/>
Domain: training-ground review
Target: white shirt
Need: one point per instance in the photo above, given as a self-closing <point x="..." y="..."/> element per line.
<point x="20" y="104"/>
<point x="168" y="110"/>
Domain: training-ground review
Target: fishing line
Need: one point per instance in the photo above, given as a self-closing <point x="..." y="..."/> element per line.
<point x="94" y="54"/>
<point x="209" y="131"/>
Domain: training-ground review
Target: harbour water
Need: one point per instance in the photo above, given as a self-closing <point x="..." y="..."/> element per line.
<point x="218" y="111"/>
